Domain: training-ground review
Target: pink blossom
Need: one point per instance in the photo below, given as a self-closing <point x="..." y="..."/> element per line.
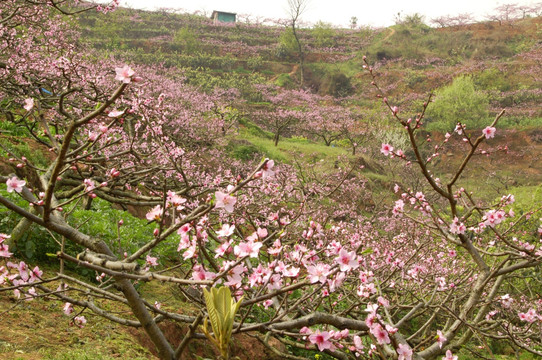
<point x="223" y="249"/>
<point x="248" y="248"/>
<point x="4" y="251"/>
<point x="155" y="213"/>
<point x="225" y="201"/>
<point x="383" y="301"/>
<point x="489" y="132"/>
<point x="318" y="273"/>
<point x="275" y="282"/>
<point x="28" y="104"/>
<point x="457" y="227"/>
<point x="267" y="170"/>
<point x="199" y="273"/>
<point x="399" y="207"/>
<point x="68" y="308"/>
<point x="493" y="217"/>
<point x="347" y="260"/>
<point x="115" y="113"/>
<point x="506" y="300"/>
<point x="380" y="334"/>
<point x="190" y="252"/>
<point x="35" y="274"/>
<point x="89" y="185"/>
<point x="530" y="316"/>
<point x="15" y="184"/>
<point x="79" y="321"/>
<point x="404" y="351"/>
<point x="441" y="339"/>
<point x="175" y="200"/>
<point x="124" y="74"/>
<point x="31" y="294"/>
<point x="321" y="339"/>
<point x="226" y="230"/>
<point x="23" y="271"/>
<point x="151" y="261"/>
<point x="459" y="129"/>
<point x="386" y="149"/>
<point x="185" y="228"/>
<point x="449" y="356"/>
<point x="92" y="136"/>
<point x="234" y="276"/>
<point x="261" y="233"/>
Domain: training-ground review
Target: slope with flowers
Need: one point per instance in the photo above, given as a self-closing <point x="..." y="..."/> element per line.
<point x="322" y="261"/>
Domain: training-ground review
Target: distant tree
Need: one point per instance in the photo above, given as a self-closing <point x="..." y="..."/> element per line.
<point x="463" y="19"/>
<point x="296" y="8"/>
<point x="505" y="13"/>
<point x="459" y="102"/>
<point x="353" y="22"/>
<point x="442" y="21"/>
<point x="323" y="34"/>
<point x="186" y="39"/>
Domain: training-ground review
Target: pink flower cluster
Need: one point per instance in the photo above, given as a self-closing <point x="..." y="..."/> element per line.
<point x="18" y="274"/>
<point x="530" y="316"/>
<point x="457" y="227"/>
<point x="324" y="339"/>
<point x="493" y="217"/>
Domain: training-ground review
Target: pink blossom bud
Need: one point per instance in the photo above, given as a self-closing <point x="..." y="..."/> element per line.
<point x="121" y="222"/>
<point x="59" y="209"/>
<point x="23" y="158"/>
<point x="156" y="232"/>
<point x="92" y="195"/>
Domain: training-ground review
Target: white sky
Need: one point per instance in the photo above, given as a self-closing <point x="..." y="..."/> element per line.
<point x="338" y="12"/>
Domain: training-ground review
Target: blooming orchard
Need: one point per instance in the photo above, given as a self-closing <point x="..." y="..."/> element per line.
<point x="418" y="282"/>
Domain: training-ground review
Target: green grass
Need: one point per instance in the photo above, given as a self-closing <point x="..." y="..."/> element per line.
<point x="289" y="148"/>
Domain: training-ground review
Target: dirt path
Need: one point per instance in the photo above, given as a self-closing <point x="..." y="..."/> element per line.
<point x="389" y="35"/>
<point x="291" y="73"/>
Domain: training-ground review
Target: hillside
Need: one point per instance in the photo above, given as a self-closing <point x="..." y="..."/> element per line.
<point x="412" y="58"/>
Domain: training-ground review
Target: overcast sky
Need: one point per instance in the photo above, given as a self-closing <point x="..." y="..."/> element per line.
<point x="338" y="12"/>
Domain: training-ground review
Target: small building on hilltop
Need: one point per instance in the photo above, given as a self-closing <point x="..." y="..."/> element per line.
<point x="223" y="16"/>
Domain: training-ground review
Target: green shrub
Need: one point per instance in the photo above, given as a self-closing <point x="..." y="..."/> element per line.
<point x="284" y="80"/>
<point x="323" y="34"/>
<point x="255" y="62"/>
<point x="458" y="102"/>
<point x="492" y="79"/>
<point x="186" y="40"/>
